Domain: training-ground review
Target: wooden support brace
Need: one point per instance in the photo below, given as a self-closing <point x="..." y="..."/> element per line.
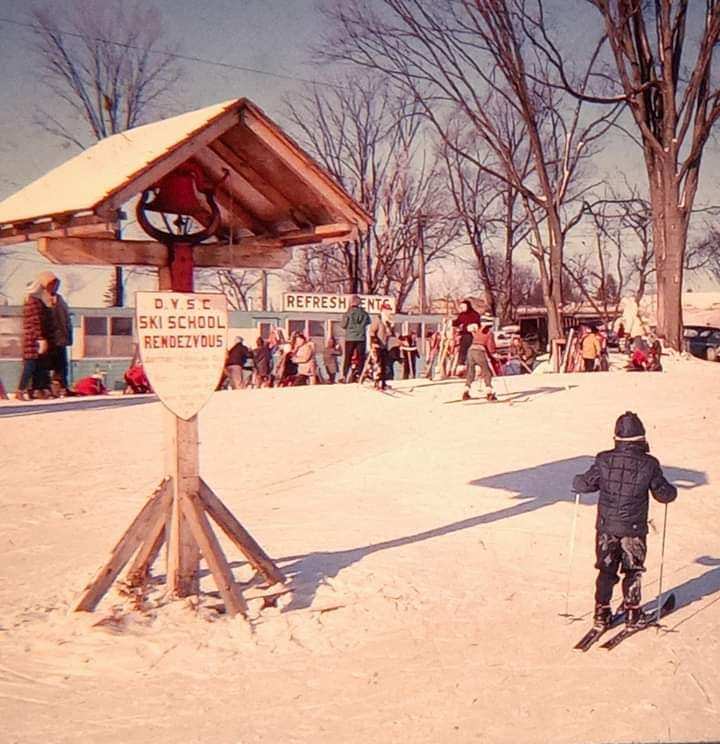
<point x="140" y="567"/>
<point x="212" y="552"/>
<point x="239" y="535"/>
<point x="127" y="545"/>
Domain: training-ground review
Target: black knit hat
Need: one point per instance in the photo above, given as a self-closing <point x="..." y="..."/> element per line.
<point x="629" y="428"/>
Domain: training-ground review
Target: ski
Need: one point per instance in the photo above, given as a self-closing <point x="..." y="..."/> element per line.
<point x="593" y="635"/>
<point x="476" y="400"/>
<point x="667" y="607"/>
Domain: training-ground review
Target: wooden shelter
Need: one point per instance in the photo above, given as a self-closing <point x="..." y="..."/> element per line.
<point x="266" y="195"/>
<point x="274" y="196"/>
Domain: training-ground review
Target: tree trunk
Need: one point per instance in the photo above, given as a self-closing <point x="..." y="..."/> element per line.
<point x="670" y="227"/>
<point x="553" y="309"/>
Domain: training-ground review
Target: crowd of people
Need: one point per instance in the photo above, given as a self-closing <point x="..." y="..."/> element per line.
<point x="643" y="351"/>
<point x="373" y="350"/>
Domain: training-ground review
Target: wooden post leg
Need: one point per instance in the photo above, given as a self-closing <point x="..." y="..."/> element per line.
<point x="239" y="535"/>
<point x="212" y="552"/>
<point x="149" y="550"/>
<point x="127" y="545"/>
<point x="181" y="451"/>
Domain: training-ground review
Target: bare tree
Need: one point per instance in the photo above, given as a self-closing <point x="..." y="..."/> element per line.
<point x="370" y="139"/>
<point x="106" y="62"/>
<point x="237" y="286"/>
<point x="454" y="55"/>
<point x="674" y="106"/>
<point x="489" y="210"/>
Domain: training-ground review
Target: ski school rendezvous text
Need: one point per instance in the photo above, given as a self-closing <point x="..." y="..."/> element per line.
<point x="196" y="318"/>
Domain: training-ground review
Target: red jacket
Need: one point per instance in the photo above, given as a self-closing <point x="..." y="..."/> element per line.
<point x="465" y="319"/>
<point x="90" y="386"/>
<point x="486" y="338"/>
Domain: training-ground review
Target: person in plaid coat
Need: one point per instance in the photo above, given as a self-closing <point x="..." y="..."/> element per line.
<point x="36" y="332"/>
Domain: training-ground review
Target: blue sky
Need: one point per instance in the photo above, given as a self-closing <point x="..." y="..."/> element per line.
<point x="275" y="36"/>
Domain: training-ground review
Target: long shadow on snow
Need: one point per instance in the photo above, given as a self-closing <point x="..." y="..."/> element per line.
<point x="73" y="404"/>
<point x="535" y="488"/>
<point x="696" y="589"/>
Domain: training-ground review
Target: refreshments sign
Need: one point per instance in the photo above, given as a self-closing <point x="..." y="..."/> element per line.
<point x="309" y="302"/>
<point x="182" y="338"/>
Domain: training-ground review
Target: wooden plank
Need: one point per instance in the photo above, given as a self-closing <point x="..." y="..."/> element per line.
<point x="242" y="191"/>
<point x="99" y="252"/>
<point x="337" y="199"/>
<point x="329" y="233"/>
<point x="82" y="225"/>
<point x="176" y="156"/>
<point x="213" y="554"/>
<point x="181" y="464"/>
<point x="150" y="549"/>
<point x="225" y="519"/>
<point x="123" y="550"/>
<point x="246" y="253"/>
<point x="243" y="167"/>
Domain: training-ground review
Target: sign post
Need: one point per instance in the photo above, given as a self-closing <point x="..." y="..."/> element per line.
<point x="182" y="339"/>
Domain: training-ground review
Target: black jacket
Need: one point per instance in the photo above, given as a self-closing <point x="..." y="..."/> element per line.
<point x="624" y="475"/>
<point x="238" y="354"/>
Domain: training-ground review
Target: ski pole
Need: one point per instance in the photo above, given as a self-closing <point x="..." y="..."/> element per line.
<point x="571" y="553"/>
<point x="662" y="563"/>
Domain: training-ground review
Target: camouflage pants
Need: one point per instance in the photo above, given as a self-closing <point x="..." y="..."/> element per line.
<point x="613" y="553"/>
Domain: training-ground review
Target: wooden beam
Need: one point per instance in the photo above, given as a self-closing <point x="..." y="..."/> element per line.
<point x="100" y="252"/>
<point x="156" y="506"/>
<point x="83" y="225"/>
<point x="139" y="569"/>
<point x="239" y="535"/>
<point x="239" y="189"/>
<point x="247" y="253"/>
<point x="304" y="167"/>
<point x="213" y="554"/>
<point x="146" y="177"/>
<point x="244" y="168"/>
<point x="320" y="234"/>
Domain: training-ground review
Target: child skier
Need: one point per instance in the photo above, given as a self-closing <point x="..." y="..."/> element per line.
<point x="623" y="475"/>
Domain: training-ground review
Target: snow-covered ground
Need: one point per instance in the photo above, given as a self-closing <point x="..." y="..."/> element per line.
<point x="427" y="547"/>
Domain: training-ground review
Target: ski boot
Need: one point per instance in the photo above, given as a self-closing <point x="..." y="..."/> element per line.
<point x="466" y="395"/>
<point x="602" y="616"/>
<point x="491" y="396"/>
<point x="635" y="618"/>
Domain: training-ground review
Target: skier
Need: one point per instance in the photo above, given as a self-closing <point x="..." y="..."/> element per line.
<point x="482" y="346"/>
<point x="467" y="315"/>
<point x="623" y="475"/>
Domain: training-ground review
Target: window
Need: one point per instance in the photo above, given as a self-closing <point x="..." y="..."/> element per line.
<point x="95" y="331"/>
<point x="11" y="337"/>
<point x="107" y="337"/>
<point x="296" y="326"/>
<point x="415" y="328"/>
<point x="316" y="329"/>
<point x="121" y="341"/>
<point x="336" y="330"/>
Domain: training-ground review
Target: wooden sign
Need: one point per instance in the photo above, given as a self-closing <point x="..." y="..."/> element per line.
<point x="182" y="338"/>
<point x="332" y="303"/>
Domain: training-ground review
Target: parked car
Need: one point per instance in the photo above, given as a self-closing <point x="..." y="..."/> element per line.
<point x="703" y="342"/>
